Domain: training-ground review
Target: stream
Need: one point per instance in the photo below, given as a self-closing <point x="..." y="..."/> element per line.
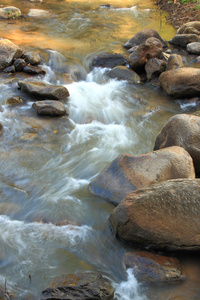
<point x="49" y="223"/>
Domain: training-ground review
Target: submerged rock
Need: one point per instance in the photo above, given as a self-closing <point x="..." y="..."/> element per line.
<point x="15" y="100"/>
<point x="8" y="52"/>
<point x="50" y="108"/>
<point x="182" y="130"/>
<point x="124" y="73"/>
<point x="154" y="268"/>
<point x="181" y="82"/>
<point x="41" y="90"/>
<point x="109" y="60"/>
<point x="140" y="37"/>
<point x="39" y="13"/>
<point x="163" y="216"/>
<point x="127" y="173"/>
<point x="88" y="286"/>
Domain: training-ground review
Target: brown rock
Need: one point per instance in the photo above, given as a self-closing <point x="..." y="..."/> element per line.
<point x="32" y="58"/>
<point x="164" y="216"/>
<point x="154" y="268"/>
<point x="1" y="129"/>
<point x="41" y="90"/>
<point x="15" y="100"/>
<point x="33" y="70"/>
<point x="182" y="130"/>
<point x="124" y="73"/>
<point x="50" y="108"/>
<point x="151" y="48"/>
<point x="8" y="52"/>
<point x="174" y="62"/>
<point x="181" y="82"/>
<point x="194" y="27"/>
<point x="140" y="37"/>
<point x="19" y="64"/>
<point x="88" y="286"/>
<point x="154" y="67"/>
<point x="127" y="173"/>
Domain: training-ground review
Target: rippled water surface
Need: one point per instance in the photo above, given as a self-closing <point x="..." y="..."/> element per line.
<point x="49" y="223"/>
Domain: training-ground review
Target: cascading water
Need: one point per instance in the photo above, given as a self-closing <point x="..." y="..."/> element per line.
<point x="49" y="224"/>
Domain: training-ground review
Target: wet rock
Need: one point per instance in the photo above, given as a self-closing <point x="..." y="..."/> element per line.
<point x="8" y="52"/>
<point x="34" y="70"/>
<point x="32" y="58"/>
<point x="50" y="108"/>
<point x="81" y="286"/>
<point x="1" y="129"/>
<point x="182" y="130"/>
<point x="124" y="73"/>
<point x="174" y="62"/>
<point x="190" y="27"/>
<point x="140" y="37"/>
<point x="15" y="100"/>
<point x="19" y="64"/>
<point x="39" y="13"/>
<point x="181" y="83"/>
<point x="163" y="216"/>
<point x="184" y="39"/>
<point x="109" y="61"/>
<point x="151" y="48"/>
<point x="193" y="48"/>
<point x="154" y="268"/>
<point x="10" y="69"/>
<point x="9" y="208"/>
<point x="10" y="12"/>
<point x="42" y="91"/>
<point x="127" y="173"/>
<point x="154" y="67"/>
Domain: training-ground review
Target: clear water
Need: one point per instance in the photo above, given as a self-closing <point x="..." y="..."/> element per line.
<point x="49" y="223"/>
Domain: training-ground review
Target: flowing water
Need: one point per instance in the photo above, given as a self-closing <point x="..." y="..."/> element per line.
<point x="49" y="223"/>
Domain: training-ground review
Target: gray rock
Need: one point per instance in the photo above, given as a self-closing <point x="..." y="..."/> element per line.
<point x="50" y="108"/>
<point x="181" y="83"/>
<point x="164" y="216"/>
<point x="10" y="12"/>
<point x="154" y="268"/>
<point x="127" y="173"/>
<point x="182" y="130"/>
<point x="19" y="64"/>
<point x="34" y="70"/>
<point x="39" y="13"/>
<point x="90" y="286"/>
<point x="140" y="37"/>
<point x="193" y="48"/>
<point x="8" y="52"/>
<point x="124" y="73"/>
<point x="10" y="69"/>
<point x="109" y="60"/>
<point x="184" y="39"/>
<point x="42" y="91"/>
<point x="32" y="58"/>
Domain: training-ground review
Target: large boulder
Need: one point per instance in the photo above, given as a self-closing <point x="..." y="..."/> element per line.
<point x="124" y="73"/>
<point x="127" y="173"/>
<point x="10" y="12"/>
<point x="140" y="37"/>
<point x="184" y="131"/>
<point x="8" y="52"/>
<point x="190" y="27"/>
<point x="109" y="61"/>
<point x="154" y="268"/>
<point x="88" y="286"/>
<point x="151" y="48"/>
<point x="184" y="39"/>
<point x="181" y="82"/>
<point x="42" y="91"/>
<point x="50" y="108"/>
<point x="164" y="216"/>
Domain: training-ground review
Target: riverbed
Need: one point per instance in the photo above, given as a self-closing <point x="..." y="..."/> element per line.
<point x="49" y="223"/>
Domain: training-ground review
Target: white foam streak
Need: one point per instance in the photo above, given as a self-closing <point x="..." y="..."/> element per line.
<point x="128" y="290"/>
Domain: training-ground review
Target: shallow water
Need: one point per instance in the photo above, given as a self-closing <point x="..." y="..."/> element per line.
<point x="49" y="224"/>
